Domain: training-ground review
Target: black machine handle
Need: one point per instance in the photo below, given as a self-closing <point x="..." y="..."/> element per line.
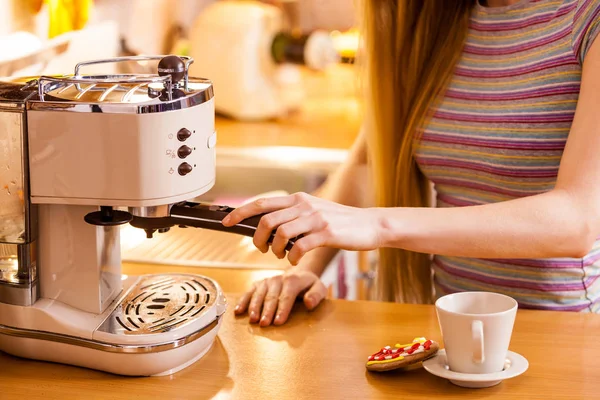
<point x="211" y="217"/>
<point x="196" y="215"/>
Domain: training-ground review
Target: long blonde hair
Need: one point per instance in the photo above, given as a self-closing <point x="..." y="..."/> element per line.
<point x="411" y="48"/>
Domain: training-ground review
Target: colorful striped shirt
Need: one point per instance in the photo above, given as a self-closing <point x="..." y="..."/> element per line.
<point x="499" y="134"/>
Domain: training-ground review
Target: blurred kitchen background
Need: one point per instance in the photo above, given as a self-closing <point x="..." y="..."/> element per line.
<point x="286" y="94"/>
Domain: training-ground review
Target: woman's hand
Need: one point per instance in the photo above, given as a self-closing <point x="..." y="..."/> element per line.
<point x="322" y="223"/>
<point x="271" y="300"/>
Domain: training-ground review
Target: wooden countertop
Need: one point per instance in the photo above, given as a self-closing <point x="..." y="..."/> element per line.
<point x="329" y="118"/>
<point x="321" y="355"/>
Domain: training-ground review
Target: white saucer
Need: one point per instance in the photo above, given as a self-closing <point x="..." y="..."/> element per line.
<point x="515" y="365"/>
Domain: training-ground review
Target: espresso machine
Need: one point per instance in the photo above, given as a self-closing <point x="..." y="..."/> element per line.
<point x="81" y="155"/>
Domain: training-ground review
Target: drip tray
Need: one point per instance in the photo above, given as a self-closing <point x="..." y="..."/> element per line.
<point x="196" y="247"/>
<point x="160" y="303"/>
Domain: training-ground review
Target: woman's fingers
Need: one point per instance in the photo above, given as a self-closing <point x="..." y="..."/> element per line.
<point x="244" y="301"/>
<point x="276" y="297"/>
<point x="291" y="288"/>
<point x="271" y="222"/>
<point x="306" y="244"/>
<point x="256" y="301"/>
<point x="271" y="300"/>
<point x="315" y="295"/>
<point x="288" y="231"/>
<point x="303" y="225"/>
<point x="260" y="206"/>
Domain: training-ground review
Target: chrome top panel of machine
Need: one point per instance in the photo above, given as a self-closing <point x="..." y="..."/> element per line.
<point x="112" y="94"/>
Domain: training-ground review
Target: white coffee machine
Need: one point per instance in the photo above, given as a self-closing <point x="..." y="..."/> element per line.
<point x="82" y="155"/>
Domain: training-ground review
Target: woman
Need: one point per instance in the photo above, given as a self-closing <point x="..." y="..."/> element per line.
<point x="497" y="104"/>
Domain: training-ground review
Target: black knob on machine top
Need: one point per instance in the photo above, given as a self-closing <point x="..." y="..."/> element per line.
<point x="174" y="66"/>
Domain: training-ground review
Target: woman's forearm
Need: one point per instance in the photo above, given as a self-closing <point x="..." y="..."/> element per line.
<point x="317" y="260"/>
<point x="541" y="226"/>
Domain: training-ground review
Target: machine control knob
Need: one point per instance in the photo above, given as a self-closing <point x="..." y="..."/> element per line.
<point x="184" y="151"/>
<point x="184" y="169"/>
<point x="183" y="134"/>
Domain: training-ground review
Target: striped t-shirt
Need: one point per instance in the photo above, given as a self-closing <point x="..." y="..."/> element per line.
<point x="499" y="134"/>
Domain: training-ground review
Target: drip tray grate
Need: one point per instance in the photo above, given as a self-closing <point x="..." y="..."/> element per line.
<point x="158" y="304"/>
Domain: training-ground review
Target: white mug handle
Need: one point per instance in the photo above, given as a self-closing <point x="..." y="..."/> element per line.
<point x="477" y="331"/>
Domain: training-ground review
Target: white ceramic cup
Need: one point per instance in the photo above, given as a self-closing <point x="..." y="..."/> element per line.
<point x="476" y="330"/>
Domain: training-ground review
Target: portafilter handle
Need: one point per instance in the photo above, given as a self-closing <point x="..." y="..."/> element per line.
<point x="196" y="215"/>
<point x="211" y="217"/>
